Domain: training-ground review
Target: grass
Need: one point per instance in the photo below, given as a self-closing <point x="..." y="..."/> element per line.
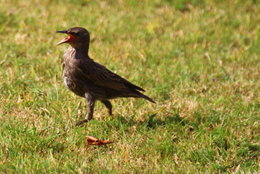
<point x="199" y="59"/>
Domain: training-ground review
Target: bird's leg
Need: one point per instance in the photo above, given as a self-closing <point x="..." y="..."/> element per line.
<point x="108" y="106"/>
<point x="91" y="104"/>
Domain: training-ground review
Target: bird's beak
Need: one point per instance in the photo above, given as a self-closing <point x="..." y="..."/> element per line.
<point x="65" y="39"/>
<point x="63" y="31"/>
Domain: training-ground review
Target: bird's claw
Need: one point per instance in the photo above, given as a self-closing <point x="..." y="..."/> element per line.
<point x="82" y="122"/>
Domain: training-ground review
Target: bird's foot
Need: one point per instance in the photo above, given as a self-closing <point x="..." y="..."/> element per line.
<point x="82" y="122"/>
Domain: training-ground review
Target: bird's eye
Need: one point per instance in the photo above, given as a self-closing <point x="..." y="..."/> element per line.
<point x="74" y="33"/>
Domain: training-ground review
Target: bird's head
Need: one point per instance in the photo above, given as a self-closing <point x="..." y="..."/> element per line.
<point x="77" y="37"/>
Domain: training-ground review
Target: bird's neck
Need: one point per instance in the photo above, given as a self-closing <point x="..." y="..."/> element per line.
<point x="80" y="52"/>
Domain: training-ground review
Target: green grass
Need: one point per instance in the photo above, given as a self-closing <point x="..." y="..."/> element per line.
<point x="198" y="59"/>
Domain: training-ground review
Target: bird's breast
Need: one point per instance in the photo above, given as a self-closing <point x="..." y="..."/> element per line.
<point x="65" y="81"/>
<point x="68" y="82"/>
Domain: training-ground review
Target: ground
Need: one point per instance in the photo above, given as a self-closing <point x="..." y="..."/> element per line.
<point x="198" y="59"/>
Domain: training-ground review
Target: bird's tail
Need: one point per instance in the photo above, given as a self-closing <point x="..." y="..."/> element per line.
<point x="137" y="94"/>
<point x="147" y="98"/>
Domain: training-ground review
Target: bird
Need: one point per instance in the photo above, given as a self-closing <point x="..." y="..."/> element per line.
<point x="89" y="79"/>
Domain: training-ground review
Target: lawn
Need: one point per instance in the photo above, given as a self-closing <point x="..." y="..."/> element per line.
<point x="198" y="59"/>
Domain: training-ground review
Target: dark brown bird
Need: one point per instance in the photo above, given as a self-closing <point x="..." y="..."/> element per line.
<point x="89" y="79"/>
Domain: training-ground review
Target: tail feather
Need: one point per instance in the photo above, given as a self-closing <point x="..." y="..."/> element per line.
<point x="134" y="87"/>
<point x="138" y="94"/>
<point x="147" y="98"/>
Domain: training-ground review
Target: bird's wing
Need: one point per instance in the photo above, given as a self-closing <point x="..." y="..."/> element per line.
<point x="101" y="76"/>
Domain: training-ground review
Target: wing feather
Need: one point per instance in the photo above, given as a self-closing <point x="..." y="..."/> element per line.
<point x="101" y="76"/>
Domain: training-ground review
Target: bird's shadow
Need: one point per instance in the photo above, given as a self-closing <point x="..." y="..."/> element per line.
<point x="152" y="122"/>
